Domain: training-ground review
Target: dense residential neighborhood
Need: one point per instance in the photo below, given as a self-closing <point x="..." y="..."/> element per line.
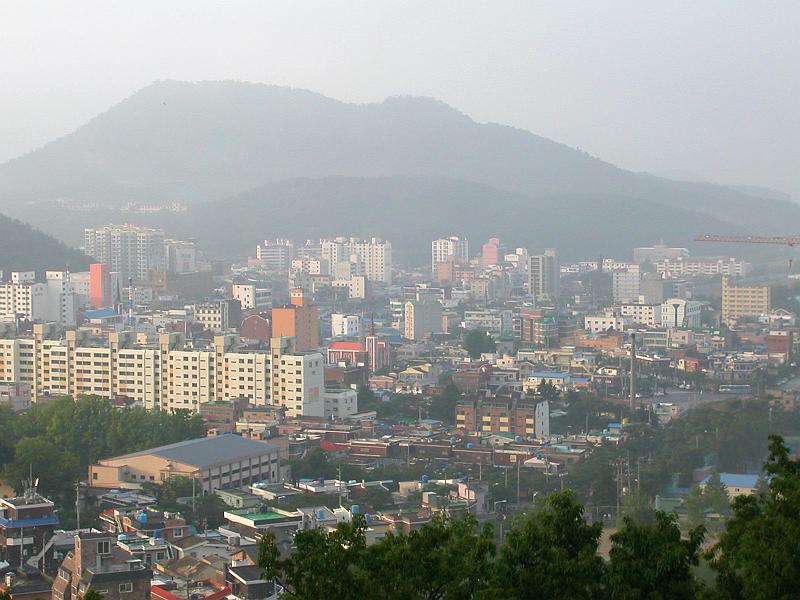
<point x="464" y="389"/>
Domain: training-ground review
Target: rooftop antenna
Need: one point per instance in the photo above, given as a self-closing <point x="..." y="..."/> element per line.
<point x="130" y="301"/>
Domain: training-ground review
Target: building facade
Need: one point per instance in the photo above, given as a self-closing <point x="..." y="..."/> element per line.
<point x="525" y="417"/>
<point x="743" y="301"/>
<point x="444" y="249"/>
<point x="166" y="376"/>
<point x="371" y="258"/>
<point x="544" y="276"/>
<point x="130" y="250"/>
<point x="217" y="462"/>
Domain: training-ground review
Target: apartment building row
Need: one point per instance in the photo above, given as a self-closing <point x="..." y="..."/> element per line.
<point x="54" y="299"/>
<point x="168" y="375"/>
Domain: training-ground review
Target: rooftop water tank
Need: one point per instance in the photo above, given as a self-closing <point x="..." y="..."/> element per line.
<point x="354" y="510"/>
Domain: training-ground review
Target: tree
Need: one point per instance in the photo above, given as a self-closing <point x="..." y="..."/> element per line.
<point x="652" y="561"/>
<point x="56" y="470"/>
<point x="716" y="495"/>
<point x="447" y="558"/>
<point x="93" y="595"/>
<point x="443" y="406"/>
<point x="636" y="508"/>
<point x="323" y="565"/>
<point x="477" y="342"/>
<point x="696" y="504"/>
<point x="551" y="553"/>
<point x="756" y="556"/>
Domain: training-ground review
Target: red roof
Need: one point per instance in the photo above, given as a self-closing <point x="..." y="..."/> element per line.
<point x="353" y="346"/>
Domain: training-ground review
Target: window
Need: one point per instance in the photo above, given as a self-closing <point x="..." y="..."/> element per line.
<point x="104" y="547"/>
<point x="177" y="532"/>
<point x="125" y="588"/>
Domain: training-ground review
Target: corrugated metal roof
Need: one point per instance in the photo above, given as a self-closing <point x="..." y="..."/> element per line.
<point x="208" y="451"/>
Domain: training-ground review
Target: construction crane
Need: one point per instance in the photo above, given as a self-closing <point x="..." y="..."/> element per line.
<point x="778" y="240"/>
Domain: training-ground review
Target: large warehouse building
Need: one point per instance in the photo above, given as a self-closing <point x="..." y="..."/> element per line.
<point x="216" y="462"/>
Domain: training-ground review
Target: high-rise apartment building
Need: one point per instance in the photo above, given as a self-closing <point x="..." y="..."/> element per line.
<point x="444" y="249"/>
<point x="167" y="376"/>
<point x="371" y="258"/>
<point x="131" y="250"/>
<point x="544" y="275"/>
<point x="743" y="301"/>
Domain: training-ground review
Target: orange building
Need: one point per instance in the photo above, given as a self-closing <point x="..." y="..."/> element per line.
<point x="99" y="285"/>
<point x="298" y="319"/>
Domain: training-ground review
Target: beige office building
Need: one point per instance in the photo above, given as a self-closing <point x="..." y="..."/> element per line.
<point x="743" y="301"/>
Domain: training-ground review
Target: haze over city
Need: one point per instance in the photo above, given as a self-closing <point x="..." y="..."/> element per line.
<point x="399" y="300"/>
<point x="699" y="90"/>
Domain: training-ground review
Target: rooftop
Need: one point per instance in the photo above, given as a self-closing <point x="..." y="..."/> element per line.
<point x="207" y="451"/>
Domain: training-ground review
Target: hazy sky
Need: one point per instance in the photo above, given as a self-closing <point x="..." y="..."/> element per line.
<point x="707" y="87"/>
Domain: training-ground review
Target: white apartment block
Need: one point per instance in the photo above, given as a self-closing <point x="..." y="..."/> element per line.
<point x="54" y="300"/>
<point x="251" y="296"/>
<point x="701" y="265"/>
<point x="643" y="314"/>
<point x="166" y="376"/>
<point x="131" y="250"/>
<point x="371" y="258"/>
<point x="608" y="321"/>
<point x="451" y="247"/>
<point x="345" y="325"/>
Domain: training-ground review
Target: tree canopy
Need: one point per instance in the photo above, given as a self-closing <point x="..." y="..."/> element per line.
<point x="552" y="552"/>
<point x="477" y="342"/>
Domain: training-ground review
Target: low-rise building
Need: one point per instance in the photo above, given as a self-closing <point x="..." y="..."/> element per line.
<point x="215" y="462"/>
<point x="97" y="563"/>
<point x="524" y="416"/>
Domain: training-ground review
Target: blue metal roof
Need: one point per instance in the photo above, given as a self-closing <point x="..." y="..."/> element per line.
<point x="101" y="313"/>
<point x="736" y="480"/>
<point x="18" y="523"/>
<point x="553" y="374"/>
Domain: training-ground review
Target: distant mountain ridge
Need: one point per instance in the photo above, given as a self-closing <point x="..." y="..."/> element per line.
<point x="412" y="211"/>
<point x="199" y="142"/>
<point x="25" y="248"/>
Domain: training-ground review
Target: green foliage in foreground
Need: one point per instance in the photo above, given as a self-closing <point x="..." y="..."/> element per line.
<point x="552" y="552"/>
<point x="57" y="441"/>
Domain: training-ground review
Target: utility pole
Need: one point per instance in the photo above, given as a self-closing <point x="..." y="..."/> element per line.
<point x="633" y="373"/>
<point x="519" y="464"/>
